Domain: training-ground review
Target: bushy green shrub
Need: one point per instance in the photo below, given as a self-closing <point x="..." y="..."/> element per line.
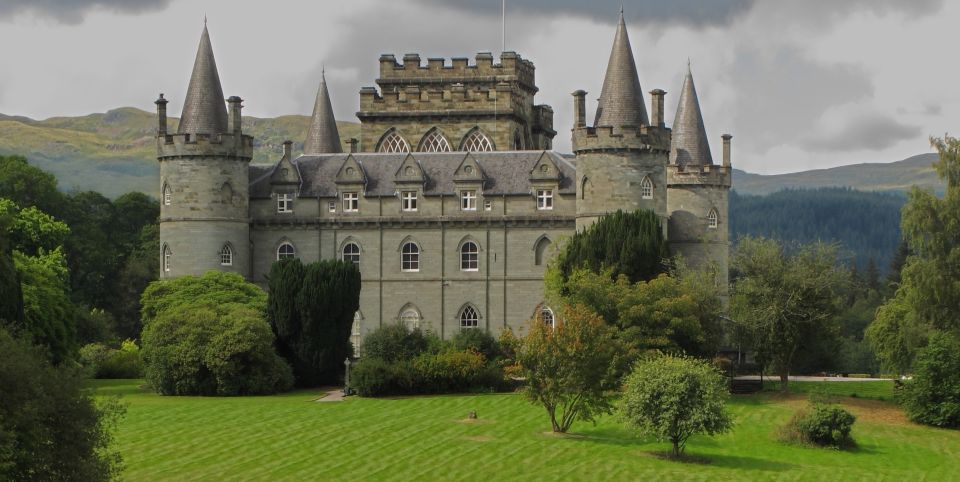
<point x="395" y="342"/>
<point x="102" y="361"/>
<point x="933" y="396"/>
<point x="205" y="349"/>
<point x="820" y="424"/>
<point x="479" y="341"/>
<point x="448" y="371"/>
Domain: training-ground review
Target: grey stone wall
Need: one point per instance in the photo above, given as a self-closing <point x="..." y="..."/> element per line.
<point x="610" y="181"/>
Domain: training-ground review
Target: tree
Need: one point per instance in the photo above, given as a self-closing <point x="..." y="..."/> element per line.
<point x="32" y="231"/>
<point x="51" y="427"/>
<point x="933" y="396"/>
<point x="29" y="186"/>
<point x="213" y="288"/>
<point x="629" y="244"/>
<point x="11" y="294"/>
<point x="784" y="298"/>
<point x="311" y="309"/>
<point x="568" y="367"/>
<point x="48" y="311"/>
<point x="139" y="270"/>
<point x="672" y="398"/>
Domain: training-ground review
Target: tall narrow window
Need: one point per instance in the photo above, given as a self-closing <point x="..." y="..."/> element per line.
<point x="544" y="199"/>
<point x="410" y="318"/>
<point x="167" y="195"/>
<point x="392" y="142"/>
<point x="469" y="318"/>
<point x="713" y="219"/>
<point x="167" y="255"/>
<point x="285" y="203"/>
<point x="468" y="200"/>
<point x="351" y="202"/>
<point x="355" y="332"/>
<point x="540" y="251"/>
<point x="286" y="251"/>
<point x="408" y="200"/>
<point x="410" y="257"/>
<point x="351" y="253"/>
<point x="476" y="141"/>
<point x="646" y="188"/>
<point x="434" y="142"/>
<point x="226" y="255"/>
<point x="469" y="256"/>
<point x="546" y="316"/>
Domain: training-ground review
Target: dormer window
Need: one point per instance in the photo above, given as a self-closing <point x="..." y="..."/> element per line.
<point x="468" y="200"/>
<point x="285" y="203"/>
<point x="544" y="199"/>
<point x="351" y="202"/>
<point x="408" y="201"/>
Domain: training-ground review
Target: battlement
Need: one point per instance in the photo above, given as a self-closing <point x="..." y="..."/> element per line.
<point x="205" y="145"/>
<point x="606" y="138"/>
<point x="700" y="175"/>
<point x="512" y="68"/>
<point x="500" y="97"/>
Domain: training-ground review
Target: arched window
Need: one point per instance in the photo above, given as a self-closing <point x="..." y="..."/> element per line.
<point x="713" y="219"/>
<point x="167" y="255"/>
<point x="167" y="195"/>
<point x="351" y="253"/>
<point x="226" y="255"/>
<point x="410" y="318"/>
<point x="410" y="257"/>
<point x="355" y="338"/>
<point x="646" y="188"/>
<point x="547" y="317"/>
<point x="392" y="142"/>
<point x="434" y="142"/>
<point x="476" y="141"/>
<point x="585" y="187"/>
<point x="469" y="318"/>
<point x="540" y="251"/>
<point x="286" y="251"/>
<point x="469" y="256"/>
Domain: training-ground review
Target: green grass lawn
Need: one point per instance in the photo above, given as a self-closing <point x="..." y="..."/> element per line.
<point x="874" y="390"/>
<point x="290" y="437"/>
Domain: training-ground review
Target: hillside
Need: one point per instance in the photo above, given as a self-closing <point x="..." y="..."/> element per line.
<point x="115" y="152"/>
<point x="893" y="176"/>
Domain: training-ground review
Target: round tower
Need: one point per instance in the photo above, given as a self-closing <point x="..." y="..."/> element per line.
<point x="697" y="189"/>
<point x="204" y="178"/>
<point x="621" y="160"/>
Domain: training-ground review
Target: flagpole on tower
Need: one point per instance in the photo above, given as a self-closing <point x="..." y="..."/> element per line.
<point x="503" y="27"/>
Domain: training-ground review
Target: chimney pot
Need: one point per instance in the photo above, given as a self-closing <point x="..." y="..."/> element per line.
<point x="235" y="120"/>
<point x="579" y="109"/>
<point x="657" y="104"/>
<point x="353" y="144"/>
<point x="726" y="149"/>
<point x="288" y="150"/>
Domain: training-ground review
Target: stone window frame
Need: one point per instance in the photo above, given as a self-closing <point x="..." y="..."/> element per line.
<point x="540" y="247"/>
<point x="646" y="188"/>
<point x="434" y="141"/>
<point x="392" y="141"/>
<point x="713" y="219"/>
<point x="544" y="199"/>
<point x="331" y="206"/>
<point x="547" y="316"/>
<point x="583" y="187"/>
<point x="284" y="203"/>
<point x="477" y="141"/>
<point x="226" y="255"/>
<point x="167" y="256"/>
<point x="167" y="194"/>
<point x="469" y="317"/>
<point x="410" y="256"/>
<point x="468" y="199"/>
<point x="409" y="201"/>
<point x="355" y="250"/>
<point x="350" y="201"/>
<point x="469" y="258"/>
<point x="286" y="253"/>
<point x="410" y="316"/>
<point x="355" y="337"/>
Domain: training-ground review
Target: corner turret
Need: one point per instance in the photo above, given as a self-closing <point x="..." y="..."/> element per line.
<point x="323" y="136"/>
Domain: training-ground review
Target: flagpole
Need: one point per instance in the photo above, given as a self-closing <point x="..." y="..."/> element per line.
<point x="503" y="27"/>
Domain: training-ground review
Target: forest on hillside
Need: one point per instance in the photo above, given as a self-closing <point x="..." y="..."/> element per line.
<point x="865" y="224"/>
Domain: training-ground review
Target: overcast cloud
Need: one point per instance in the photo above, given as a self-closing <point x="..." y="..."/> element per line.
<point x="799" y="83"/>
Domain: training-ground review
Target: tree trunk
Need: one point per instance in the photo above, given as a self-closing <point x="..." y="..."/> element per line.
<point x="784" y="380"/>
<point x="676" y="447"/>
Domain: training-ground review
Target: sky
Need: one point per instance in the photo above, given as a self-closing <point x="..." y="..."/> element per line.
<point x="800" y="84"/>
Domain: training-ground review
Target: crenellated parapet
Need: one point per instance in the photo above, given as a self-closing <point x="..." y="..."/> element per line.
<point x="237" y="146"/>
<point x="512" y="68"/>
<point x="699" y="175"/>
<point x="612" y="139"/>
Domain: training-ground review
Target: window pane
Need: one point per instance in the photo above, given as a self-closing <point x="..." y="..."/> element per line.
<point x="469" y="257"/>
<point x="393" y="143"/>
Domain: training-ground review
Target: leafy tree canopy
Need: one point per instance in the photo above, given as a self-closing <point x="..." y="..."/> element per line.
<point x="48" y="311"/>
<point x="214" y="288"/>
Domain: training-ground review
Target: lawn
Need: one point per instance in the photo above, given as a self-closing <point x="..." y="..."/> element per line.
<point x="291" y="437"/>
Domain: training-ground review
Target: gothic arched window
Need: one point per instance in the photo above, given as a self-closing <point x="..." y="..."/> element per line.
<point x="540" y="251"/>
<point x="392" y="142"/>
<point x="646" y="188"/>
<point x="410" y="318"/>
<point x="434" y="142"/>
<point x="469" y="318"/>
<point x="469" y="256"/>
<point x="167" y="195"/>
<point x="476" y="141"/>
<point x="167" y="255"/>
<point x="286" y="251"/>
<point x="351" y="253"/>
<point x="713" y="219"/>
<point x="410" y="257"/>
<point x="226" y="255"/>
<point x="547" y="317"/>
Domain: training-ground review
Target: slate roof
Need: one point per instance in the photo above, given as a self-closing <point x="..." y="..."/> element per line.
<point x="505" y="172"/>
<point x="204" y="111"/>
<point x="621" y="98"/>
<point x="689" y="145"/>
<point x="323" y="137"/>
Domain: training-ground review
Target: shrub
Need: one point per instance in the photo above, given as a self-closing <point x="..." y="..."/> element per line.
<point x="213" y="350"/>
<point x="933" y="396"/>
<point x="479" y="341"/>
<point x="820" y="424"/>
<point x="102" y="361"/>
<point x="448" y="371"/>
<point x="672" y="398"/>
<point x="395" y="342"/>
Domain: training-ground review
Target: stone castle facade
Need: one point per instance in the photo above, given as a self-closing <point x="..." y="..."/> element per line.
<point x="451" y="199"/>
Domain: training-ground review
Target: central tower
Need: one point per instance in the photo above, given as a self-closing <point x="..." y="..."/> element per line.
<point x="622" y="159"/>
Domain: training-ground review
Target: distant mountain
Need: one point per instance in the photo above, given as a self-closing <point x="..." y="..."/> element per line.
<point x="893" y="176"/>
<point x="115" y="152"/>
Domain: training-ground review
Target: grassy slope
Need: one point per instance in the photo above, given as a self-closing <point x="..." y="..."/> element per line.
<point x="289" y="437"/>
<point x="115" y="152"/>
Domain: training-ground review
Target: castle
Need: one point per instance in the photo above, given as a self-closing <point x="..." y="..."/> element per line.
<point x="452" y="197"/>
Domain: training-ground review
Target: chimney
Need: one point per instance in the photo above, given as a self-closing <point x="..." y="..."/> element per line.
<point x="287" y="150"/>
<point x="234" y="120"/>
<point x="161" y="116"/>
<point x="726" y="149"/>
<point x="353" y="144"/>
<point x="579" y="109"/>
<point x="657" y="105"/>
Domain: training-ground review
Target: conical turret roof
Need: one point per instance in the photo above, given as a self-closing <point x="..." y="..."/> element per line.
<point x="204" y="111"/>
<point x="621" y="99"/>
<point x="689" y="142"/>
<point x="323" y="137"/>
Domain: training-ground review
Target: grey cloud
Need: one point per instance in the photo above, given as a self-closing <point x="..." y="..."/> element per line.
<point x="865" y="132"/>
<point x="73" y="11"/>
